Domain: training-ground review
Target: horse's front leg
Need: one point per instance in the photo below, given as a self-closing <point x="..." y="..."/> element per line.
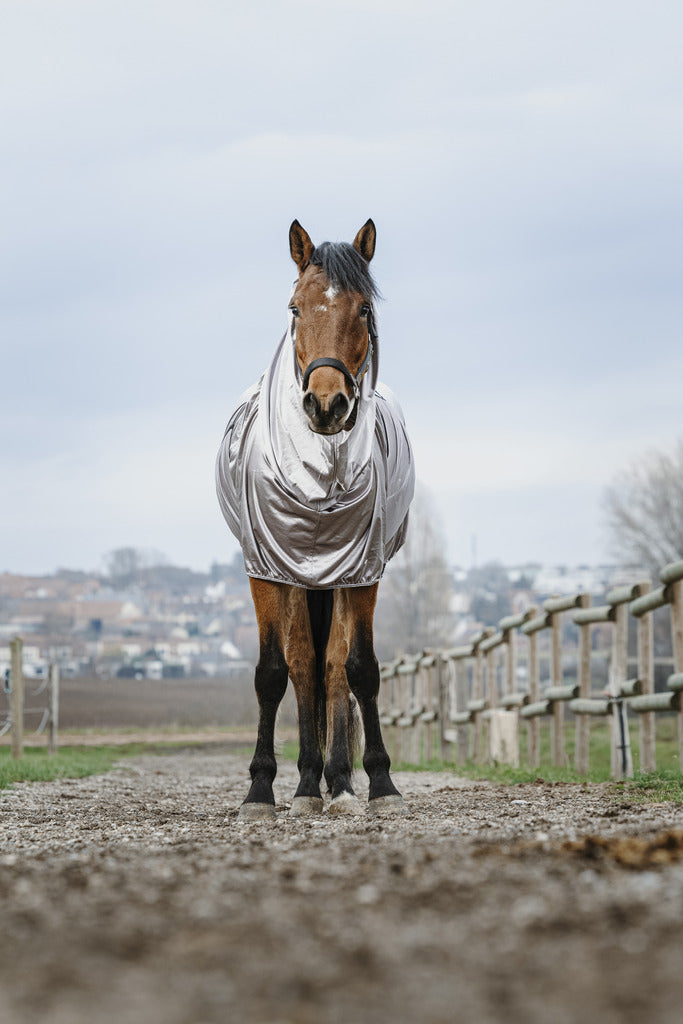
<point x="362" y="672"/>
<point x="270" y="681"/>
<point x="300" y="653"/>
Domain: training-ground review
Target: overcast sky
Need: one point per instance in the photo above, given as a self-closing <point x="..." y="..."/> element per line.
<point x="522" y="163"/>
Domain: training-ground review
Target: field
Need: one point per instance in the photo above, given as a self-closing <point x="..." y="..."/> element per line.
<point x="154" y="703"/>
<point x="138" y="704"/>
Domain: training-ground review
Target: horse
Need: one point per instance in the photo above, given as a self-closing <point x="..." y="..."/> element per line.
<point x="315" y="477"/>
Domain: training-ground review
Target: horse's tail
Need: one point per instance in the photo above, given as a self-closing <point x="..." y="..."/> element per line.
<point x="356" y="736"/>
<point x="320" y="606"/>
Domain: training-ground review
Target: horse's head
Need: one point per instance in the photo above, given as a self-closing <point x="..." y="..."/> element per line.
<point x="333" y="324"/>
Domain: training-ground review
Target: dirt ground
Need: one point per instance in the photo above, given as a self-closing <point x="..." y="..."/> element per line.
<point x="138" y="896"/>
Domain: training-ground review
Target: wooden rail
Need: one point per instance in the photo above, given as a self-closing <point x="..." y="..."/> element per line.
<point x="467" y="700"/>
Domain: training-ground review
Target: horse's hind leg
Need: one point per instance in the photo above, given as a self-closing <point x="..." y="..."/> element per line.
<point x="270" y="681"/>
<point x="362" y="672"/>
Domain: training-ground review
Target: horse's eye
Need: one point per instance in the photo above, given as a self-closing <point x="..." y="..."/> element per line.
<point x="295" y="311"/>
<point x="364" y="310"/>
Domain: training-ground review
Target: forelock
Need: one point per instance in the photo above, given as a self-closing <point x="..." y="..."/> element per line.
<point x="345" y="269"/>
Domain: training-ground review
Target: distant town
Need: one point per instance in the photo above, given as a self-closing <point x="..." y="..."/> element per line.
<point x="162" y="621"/>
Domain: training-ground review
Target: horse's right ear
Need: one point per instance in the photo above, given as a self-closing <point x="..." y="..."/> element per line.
<point x="300" y="245"/>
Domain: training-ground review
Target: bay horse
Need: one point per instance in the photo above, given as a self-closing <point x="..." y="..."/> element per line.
<point x="314" y="477"/>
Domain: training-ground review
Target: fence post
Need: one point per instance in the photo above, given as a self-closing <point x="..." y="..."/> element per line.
<point x="396" y="712"/>
<point x="556" y="680"/>
<point x="622" y="760"/>
<point x="671" y="576"/>
<point x="646" y="673"/>
<point x="442" y="682"/>
<point x="430" y="702"/>
<point x="410" y="688"/>
<point x="17" y="695"/>
<point x="536" y="706"/>
<point x="477" y="694"/>
<point x="388" y="711"/>
<point x="510" y="661"/>
<point x="583" y="722"/>
<point x="464" y="687"/>
<point x="415" y="713"/>
<point x="461" y="693"/>
<point x="413" y="706"/>
<point x="492" y="677"/>
<point x="454" y="690"/>
<point x="54" y="708"/>
<point x="534" y="746"/>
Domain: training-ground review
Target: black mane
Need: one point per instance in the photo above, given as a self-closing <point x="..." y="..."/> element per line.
<point x="345" y="269"/>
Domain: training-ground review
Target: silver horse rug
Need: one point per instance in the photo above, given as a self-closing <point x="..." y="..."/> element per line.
<point x="313" y="510"/>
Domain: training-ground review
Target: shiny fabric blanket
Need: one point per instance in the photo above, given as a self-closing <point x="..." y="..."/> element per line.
<point x="308" y="509"/>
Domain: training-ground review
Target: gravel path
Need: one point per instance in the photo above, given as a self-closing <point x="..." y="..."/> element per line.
<point x="137" y="896"/>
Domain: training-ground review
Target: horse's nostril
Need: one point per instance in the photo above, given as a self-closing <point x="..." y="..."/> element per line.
<point x="311" y="405"/>
<point x="339" y="406"/>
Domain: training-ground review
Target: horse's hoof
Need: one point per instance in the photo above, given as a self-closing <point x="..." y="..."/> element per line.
<point x="257" y="812"/>
<point x="385" y="806"/>
<point x="306" y="806"/>
<point x="345" y="803"/>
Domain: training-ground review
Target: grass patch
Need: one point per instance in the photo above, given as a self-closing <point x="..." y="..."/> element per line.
<point x="68" y="763"/>
<point x="289" y="750"/>
<point x="505" y="773"/>
<point x="663" y="786"/>
<point x="77" y="762"/>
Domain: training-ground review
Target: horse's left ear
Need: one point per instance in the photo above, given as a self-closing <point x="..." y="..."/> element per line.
<point x="364" y="242"/>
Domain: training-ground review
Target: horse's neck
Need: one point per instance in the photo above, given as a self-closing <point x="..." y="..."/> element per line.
<point x="318" y="468"/>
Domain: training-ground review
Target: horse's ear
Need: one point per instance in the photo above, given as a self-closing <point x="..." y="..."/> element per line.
<point x="300" y="245"/>
<point x="364" y="242"/>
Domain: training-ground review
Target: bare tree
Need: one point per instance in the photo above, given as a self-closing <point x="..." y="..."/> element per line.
<point x="123" y="564"/>
<point x="414" y="604"/>
<point x="644" y="508"/>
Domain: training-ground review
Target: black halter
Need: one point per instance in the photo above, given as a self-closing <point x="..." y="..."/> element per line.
<point x="338" y="365"/>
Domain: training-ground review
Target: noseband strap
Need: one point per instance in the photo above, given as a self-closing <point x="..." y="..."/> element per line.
<point x="337" y="364"/>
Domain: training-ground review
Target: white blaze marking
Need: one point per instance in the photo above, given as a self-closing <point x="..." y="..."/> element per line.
<point x="331" y="292"/>
<point x="320" y="309"/>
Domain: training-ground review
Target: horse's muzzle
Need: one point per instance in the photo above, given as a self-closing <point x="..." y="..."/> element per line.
<point x="329" y="416"/>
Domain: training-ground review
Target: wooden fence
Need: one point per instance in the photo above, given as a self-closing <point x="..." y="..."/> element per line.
<point x="467" y="702"/>
<point x="16" y="690"/>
